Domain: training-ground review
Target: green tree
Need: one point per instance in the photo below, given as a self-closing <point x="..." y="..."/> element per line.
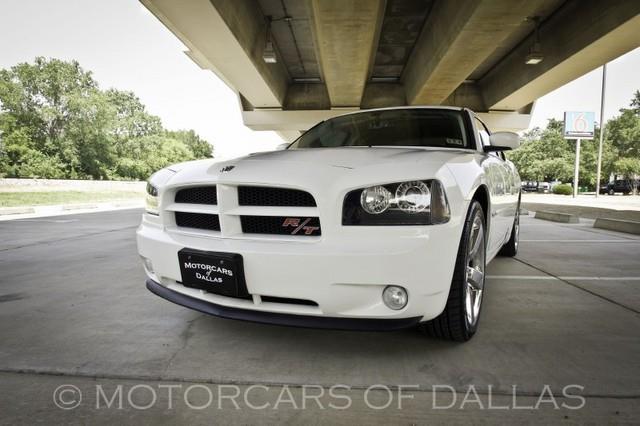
<point x="132" y="119"/>
<point x="88" y="138"/>
<point x="635" y="102"/>
<point x="200" y="147"/>
<point x="56" y="122"/>
<point x="623" y="132"/>
<point x="544" y="154"/>
<point x="37" y="97"/>
<point x="19" y="159"/>
<point x="151" y="153"/>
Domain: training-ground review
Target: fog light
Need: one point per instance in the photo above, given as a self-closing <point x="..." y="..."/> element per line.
<point x="147" y="264"/>
<point x="395" y="297"/>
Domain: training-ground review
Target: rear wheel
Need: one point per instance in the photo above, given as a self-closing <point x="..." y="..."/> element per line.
<point x="459" y="320"/>
<point x="612" y="192"/>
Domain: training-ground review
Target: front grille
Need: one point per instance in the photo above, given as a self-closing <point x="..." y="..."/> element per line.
<point x="210" y="222"/>
<point x="197" y="195"/>
<point x="207" y="218"/>
<point x="281" y="225"/>
<point x="266" y="196"/>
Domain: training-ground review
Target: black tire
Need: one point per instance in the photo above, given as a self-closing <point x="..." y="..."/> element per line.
<point x="510" y="248"/>
<point x="612" y="192"/>
<point x="453" y="323"/>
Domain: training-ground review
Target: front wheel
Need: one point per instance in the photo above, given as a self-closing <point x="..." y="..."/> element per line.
<point x="510" y="248"/>
<point x="459" y="320"/>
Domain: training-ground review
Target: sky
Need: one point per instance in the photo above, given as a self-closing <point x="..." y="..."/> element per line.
<point x="127" y="48"/>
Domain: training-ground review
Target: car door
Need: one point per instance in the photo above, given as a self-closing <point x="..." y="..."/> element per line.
<point x="501" y="179"/>
<point x="513" y="186"/>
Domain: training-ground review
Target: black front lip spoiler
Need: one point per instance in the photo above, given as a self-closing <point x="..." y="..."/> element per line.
<point x="308" y="321"/>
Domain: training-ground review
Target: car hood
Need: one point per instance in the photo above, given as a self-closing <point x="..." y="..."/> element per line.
<point x="315" y="167"/>
<point x="352" y="157"/>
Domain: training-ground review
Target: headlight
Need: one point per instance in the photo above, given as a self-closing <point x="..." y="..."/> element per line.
<point x="156" y="180"/>
<point x="420" y="202"/>
<point x="413" y="197"/>
<point x="151" y="200"/>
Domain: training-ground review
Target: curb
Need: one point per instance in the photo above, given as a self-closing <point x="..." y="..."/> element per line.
<point x="557" y="217"/>
<point x="29" y="212"/>
<point x="79" y="206"/>
<point x="628" y="226"/>
<point x="585" y="212"/>
<point x="16" y="210"/>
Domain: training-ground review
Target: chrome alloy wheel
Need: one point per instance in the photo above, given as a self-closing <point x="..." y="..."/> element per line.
<point x="475" y="270"/>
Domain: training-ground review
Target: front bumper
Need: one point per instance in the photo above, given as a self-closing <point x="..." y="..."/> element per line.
<point x="307" y="321"/>
<point x="343" y="273"/>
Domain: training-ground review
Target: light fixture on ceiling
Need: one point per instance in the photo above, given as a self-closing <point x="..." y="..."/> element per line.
<point x="307" y="80"/>
<point x="535" y="55"/>
<point x="269" y="53"/>
<point x="384" y="79"/>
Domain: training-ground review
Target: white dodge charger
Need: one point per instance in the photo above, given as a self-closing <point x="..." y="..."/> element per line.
<point x="379" y="219"/>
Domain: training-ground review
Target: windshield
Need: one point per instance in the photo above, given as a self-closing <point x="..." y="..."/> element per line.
<point x="395" y="127"/>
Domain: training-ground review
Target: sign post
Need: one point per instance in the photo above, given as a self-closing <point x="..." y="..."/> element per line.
<point x="576" y="171"/>
<point x="578" y="125"/>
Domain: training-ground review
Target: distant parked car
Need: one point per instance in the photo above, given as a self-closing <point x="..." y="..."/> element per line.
<point x="530" y="186"/>
<point x="604" y="187"/>
<point x="544" y="187"/>
<point x="624" y="186"/>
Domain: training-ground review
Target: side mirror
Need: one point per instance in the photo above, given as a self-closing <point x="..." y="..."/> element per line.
<point x="282" y="146"/>
<point x="502" y="141"/>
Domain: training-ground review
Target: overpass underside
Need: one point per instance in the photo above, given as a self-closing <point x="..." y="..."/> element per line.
<point x="333" y="56"/>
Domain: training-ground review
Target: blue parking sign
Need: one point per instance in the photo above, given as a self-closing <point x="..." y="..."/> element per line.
<point x="579" y="124"/>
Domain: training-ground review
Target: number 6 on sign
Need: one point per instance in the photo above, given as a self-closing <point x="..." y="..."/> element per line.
<point x="579" y="124"/>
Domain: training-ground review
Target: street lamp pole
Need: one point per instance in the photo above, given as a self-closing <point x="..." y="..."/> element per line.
<point x="576" y="171"/>
<point x="599" y="167"/>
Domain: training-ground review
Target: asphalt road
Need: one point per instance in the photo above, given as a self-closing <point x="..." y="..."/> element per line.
<point x="564" y="316"/>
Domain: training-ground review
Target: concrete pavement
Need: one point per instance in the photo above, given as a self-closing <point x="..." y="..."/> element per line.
<point x="561" y="317"/>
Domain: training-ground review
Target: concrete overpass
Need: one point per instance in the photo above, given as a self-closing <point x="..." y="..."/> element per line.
<point x="333" y="56"/>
